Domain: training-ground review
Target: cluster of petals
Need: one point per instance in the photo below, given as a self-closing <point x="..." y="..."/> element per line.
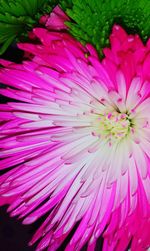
<point x="77" y="134"/>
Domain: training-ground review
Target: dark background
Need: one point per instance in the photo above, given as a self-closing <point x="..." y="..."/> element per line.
<point x="13" y="235"/>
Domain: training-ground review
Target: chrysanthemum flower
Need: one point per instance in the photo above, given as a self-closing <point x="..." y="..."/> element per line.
<point x="78" y="136"/>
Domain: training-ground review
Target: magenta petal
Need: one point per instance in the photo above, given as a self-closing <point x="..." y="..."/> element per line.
<point x="56" y="20"/>
<point x="77" y="137"/>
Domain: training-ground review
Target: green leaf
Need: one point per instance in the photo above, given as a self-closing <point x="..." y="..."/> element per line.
<point x="18" y="17"/>
<point x="92" y="20"/>
<point x="66" y="4"/>
<point x="6" y="44"/>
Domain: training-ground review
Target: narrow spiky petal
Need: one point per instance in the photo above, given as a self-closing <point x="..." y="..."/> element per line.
<point x="79" y="141"/>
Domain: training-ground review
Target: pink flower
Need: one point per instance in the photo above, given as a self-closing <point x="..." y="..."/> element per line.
<point x="56" y="20"/>
<point x="79" y="141"/>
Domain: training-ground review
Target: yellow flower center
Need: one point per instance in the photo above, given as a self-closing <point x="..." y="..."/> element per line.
<point x="113" y="125"/>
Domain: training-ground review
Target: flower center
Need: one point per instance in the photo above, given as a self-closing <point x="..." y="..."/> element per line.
<point x="113" y="125"/>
